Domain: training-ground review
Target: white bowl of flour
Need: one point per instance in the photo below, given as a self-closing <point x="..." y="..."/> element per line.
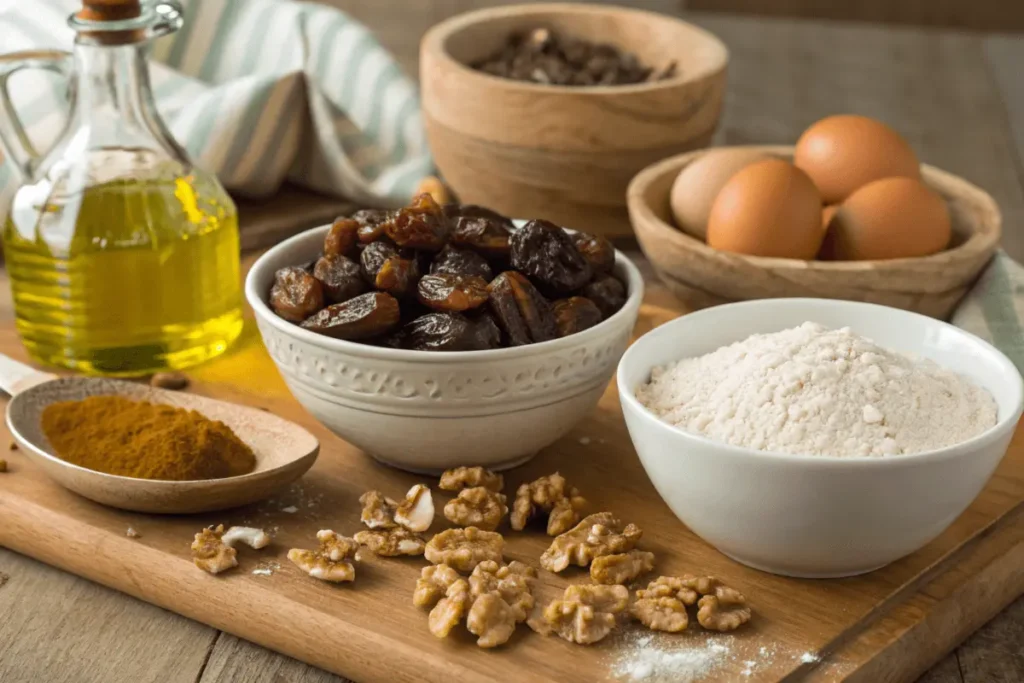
<point x="817" y="438"/>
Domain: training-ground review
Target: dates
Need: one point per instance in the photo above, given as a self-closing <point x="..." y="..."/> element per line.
<point x="423" y="278"/>
<point x="450" y="332"/>
<point x="368" y="315"/>
<point x="575" y="314"/>
<point x="607" y="292"/>
<point x="342" y="238"/>
<point x="445" y="292"/>
<point x="521" y="311"/>
<point x="598" y="251"/>
<point x="340" y="278"/>
<point x="547" y="254"/>
<point x="488" y="236"/>
<point x="398" y="276"/>
<point x="453" y="261"/>
<point x="421" y="225"/>
<point x="371" y="224"/>
<point x="296" y="294"/>
<point x="373" y="257"/>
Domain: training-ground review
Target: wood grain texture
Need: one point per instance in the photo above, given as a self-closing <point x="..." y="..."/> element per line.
<point x="61" y="629"/>
<point x="233" y="660"/>
<point x="344" y="628"/>
<point x="996" y="15"/>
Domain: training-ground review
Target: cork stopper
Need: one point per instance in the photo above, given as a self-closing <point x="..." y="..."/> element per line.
<point x="109" y="10"/>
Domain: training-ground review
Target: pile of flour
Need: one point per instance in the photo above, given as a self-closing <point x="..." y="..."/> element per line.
<point x="816" y="391"/>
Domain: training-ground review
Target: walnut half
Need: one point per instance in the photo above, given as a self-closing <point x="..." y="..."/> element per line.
<point x="549" y="494"/>
<point x="478" y="506"/>
<point x="391" y="542"/>
<point x="621" y="568"/>
<point x="415" y="513"/>
<point x="726" y="610"/>
<point x="433" y="584"/>
<point x="596" y="535"/>
<point x="213" y="548"/>
<point x="586" y="613"/>
<point x="330" y="562"/>
<point x="464" y="549"/>
<point x="471" y="477"/>
<point x="662" y="605"/>
<point x="511" y="582"/>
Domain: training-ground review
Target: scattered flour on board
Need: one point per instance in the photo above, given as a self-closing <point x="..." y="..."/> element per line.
<point x="817" y="391"/>
<point x="266" y="568"/>
<point x="670" y="658"/>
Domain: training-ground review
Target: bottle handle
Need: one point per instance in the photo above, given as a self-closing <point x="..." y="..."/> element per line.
<point x="14" y="141"/>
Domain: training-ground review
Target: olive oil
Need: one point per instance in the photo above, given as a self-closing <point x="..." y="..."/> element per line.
<point x="125" y="277"/>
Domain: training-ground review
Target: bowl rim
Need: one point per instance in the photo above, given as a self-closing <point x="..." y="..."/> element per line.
<point x="257" y="300"/>
<point x="641" y="212"/>
<point x="635" y="354"/>
<point x="436" y="41"/>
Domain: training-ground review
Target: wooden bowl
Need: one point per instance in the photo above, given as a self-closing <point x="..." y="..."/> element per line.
<point x="702" y="276"/>
<point x="565" y="153"/>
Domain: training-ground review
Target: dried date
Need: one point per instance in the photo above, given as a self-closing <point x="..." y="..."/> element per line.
<point x="371" y="224"/>
<point x="546" y="253"/>
<point x="575" y="314"/>
<point x="342" y="238"/>
<point x="484" y="234"/>
<point x="450" y="332"/>
<point x="398" y="276"/>
<point x="444" y="292"/>
<point x="296" y="294"/>
<point x="598" y="251"/>
<point x="368" y="315"/>
<point x="453" y="211"/>
<point x="607" y="292"/>
<point x="340" y="278"/>
<point x="453" y="261"/>
<point x="421" y="225"/>
<point x="373" y="257"/>
<point x="521" y="311"/>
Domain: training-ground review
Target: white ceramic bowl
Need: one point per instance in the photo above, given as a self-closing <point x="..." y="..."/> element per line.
<point x="812" y="516"/>
<point x="426" y="411"/>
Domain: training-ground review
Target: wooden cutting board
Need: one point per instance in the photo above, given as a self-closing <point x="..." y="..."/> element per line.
<point x="887" y="626"/>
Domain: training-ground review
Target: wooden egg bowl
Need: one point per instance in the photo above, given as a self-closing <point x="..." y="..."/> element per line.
<point x="702" y="276"/>
<point x="565" y="153"/>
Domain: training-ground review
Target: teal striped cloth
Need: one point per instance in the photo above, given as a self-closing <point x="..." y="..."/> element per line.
<point x="258" y="91"/>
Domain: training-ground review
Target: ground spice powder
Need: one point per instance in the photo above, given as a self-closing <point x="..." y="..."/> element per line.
<point x="129" y="438"/>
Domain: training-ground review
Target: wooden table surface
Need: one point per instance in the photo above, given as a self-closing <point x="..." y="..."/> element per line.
<point x="957" y="96"/>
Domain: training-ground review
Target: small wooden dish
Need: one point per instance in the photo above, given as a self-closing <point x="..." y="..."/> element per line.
<point x="284" y="450"/>
<point x="702" y="276"/>
<point x="556" y="152"/>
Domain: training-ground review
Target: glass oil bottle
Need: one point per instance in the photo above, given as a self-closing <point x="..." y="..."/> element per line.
<point x="123" y="256"/>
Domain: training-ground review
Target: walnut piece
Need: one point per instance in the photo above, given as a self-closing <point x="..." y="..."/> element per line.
<point x="174" y="381"/>
<point x="478" y="506"/>
<point x="433" y="186"/>
<point x="596" y="535"/>
<point x="391" y="542"/>
<point x="661" y="613"/>
<point x="471" y="477"/>
<point x="492" y="619"/>
<point x="254" y="538"/>
<point x="464" y="549"/>
<point x="726" y="610"/>
<point x="448" y="612"/>
<point x="416" y="512"/>
<point x="549" y="494"/>
<point x="685" y="588"/>
<point x="213" y="548"/>
<point x="433" y="584"/>
<point x="621" y="568"/>
<point x="210" y="553"/>
<point x="378" y="510"/>
<point x="330" y="562"/>
<point x="586" y="613"/>
<point x="3" y="465"/>
<point x="510" y="582"/>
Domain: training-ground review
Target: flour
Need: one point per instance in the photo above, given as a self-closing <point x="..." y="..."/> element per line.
<point x="817" y="391"/>
<point x="676" y="659"/>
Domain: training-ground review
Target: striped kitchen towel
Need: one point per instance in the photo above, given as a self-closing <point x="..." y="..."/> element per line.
<point x="258" y="91"/>
<point x="994" y="308"/>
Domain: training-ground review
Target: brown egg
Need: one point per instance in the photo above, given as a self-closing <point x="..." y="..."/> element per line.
<point x="770" y="208"/>
<point x="890" y="218"/>
<point x="697" y="185"/>
<point x="844" y="153"/>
